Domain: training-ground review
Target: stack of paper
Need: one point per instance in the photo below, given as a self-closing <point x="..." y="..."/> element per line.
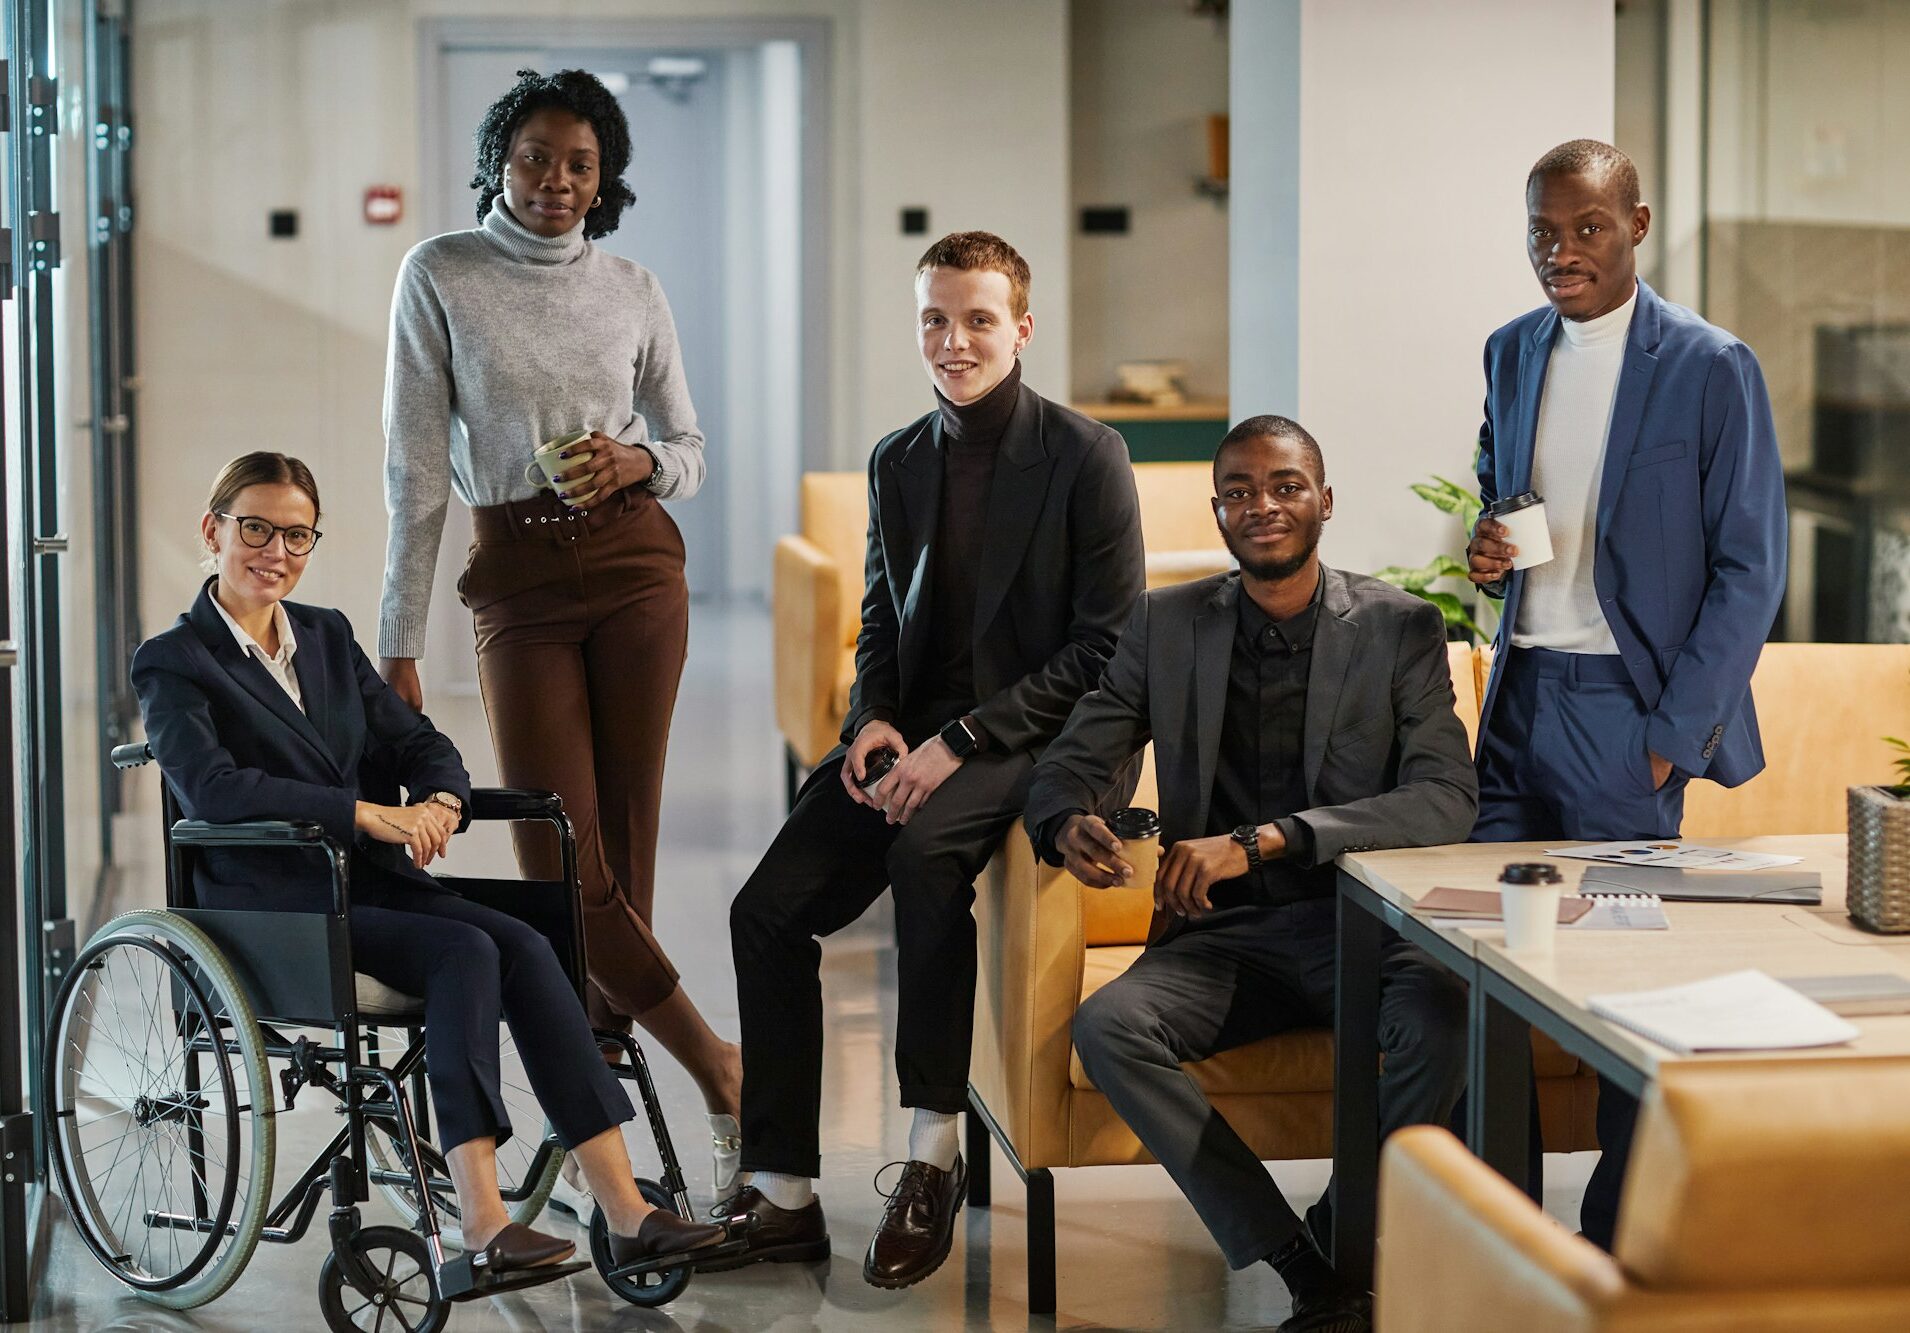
<point x="1739" y="1011"/>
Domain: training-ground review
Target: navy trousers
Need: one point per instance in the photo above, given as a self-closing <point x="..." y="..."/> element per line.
<point x="1563" y="757"/>
<point x="474" y="966"/>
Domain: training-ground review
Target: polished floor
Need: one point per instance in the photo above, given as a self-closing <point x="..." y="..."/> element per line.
<point x="1132" y="1253"/>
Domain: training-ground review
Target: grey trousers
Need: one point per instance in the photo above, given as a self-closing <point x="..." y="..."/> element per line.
<point x="1234" y="976"/>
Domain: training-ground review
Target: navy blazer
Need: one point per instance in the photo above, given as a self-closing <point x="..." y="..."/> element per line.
<point x="1689" y="560"/>
<point x="233" y="746"/>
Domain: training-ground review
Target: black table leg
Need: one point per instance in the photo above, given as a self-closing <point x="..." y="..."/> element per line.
<point x="1498" y="1119"/>
<point x="1355" y="1088"/>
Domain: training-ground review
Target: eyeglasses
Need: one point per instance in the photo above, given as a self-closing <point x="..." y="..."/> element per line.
<point x="256" y="532"/>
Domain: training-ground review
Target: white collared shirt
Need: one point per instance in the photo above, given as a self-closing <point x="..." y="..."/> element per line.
<point x="279" y="665"/>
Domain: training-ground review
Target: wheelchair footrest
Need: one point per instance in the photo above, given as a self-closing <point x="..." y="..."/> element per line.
<point x="458" y="1280"/>
<point x="736" y="1243"/>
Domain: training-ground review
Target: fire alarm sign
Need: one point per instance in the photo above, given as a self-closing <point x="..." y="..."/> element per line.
<point x="384" y="205"/>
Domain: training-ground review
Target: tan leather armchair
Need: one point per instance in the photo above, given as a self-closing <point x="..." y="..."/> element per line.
<point x="1760" y="1197"/>
<point x="1047" y="942"/>
<point x="816" y="589"/>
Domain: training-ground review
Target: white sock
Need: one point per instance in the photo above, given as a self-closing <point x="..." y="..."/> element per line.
<point x="786" y="1192"/>
<point x="933" y="1139"/>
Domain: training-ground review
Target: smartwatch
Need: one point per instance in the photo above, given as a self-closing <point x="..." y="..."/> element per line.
<point x="1248" y="836"/>
<point x="961" y="737"/>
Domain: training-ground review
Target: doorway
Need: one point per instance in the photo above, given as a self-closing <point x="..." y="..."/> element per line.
<point x="729" y="172"/>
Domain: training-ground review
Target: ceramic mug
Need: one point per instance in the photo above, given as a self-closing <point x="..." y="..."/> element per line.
<point x="545" y="463"/>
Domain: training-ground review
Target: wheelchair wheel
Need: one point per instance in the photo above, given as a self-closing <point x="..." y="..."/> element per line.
<point x="525" y="1173"/>
<point x="159" y="1109"/>
<point x="648" y="1290"/>
<point x="406" y="1298"/>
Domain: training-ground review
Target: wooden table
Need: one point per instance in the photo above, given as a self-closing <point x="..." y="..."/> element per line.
<point x="1510" y="991"/>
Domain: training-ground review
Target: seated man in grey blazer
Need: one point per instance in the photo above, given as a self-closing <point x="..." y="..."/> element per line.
<point x="1296" y="712"/>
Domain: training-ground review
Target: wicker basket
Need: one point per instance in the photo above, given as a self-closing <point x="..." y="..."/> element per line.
<point x="1878" y="892"/>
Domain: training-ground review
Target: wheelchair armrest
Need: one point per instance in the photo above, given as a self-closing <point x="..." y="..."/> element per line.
<point x="514" y="803"/>
<point x="132" y="755"/>
<point x="252" y="833"/>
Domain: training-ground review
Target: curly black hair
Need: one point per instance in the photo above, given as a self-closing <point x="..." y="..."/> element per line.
<point x="583" y="95"/>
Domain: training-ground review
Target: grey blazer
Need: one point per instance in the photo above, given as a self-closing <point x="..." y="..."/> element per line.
<point x="1387" y="763"/>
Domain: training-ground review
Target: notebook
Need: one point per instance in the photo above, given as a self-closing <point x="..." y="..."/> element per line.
<point x="1739" y="1011"/>
<point x="1470" y="905"/>
<point x="1624" y="911"/>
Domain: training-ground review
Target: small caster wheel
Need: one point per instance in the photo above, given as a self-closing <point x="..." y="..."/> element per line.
<point x="648" y="1290"/>
<point x="406" y="1298"/>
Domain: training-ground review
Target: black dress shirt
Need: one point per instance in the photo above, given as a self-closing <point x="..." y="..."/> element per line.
<point x="1260" y="775"/>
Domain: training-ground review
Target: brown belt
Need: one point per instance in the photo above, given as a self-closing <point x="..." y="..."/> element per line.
<point x="545" y="518"/>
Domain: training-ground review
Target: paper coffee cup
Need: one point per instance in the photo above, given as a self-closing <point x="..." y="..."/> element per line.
<point x="1523" y="517"/>
<point x="545" y="463"/>
<point x="1139" y="830"/>
<point x="1529" y="899"/>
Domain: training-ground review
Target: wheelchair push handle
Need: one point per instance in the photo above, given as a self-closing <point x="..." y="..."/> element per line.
<point x="133" y="754"/>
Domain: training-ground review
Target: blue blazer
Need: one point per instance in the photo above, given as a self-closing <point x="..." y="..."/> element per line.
<point x="234" y="746"/>
<point x="1690" y="554"/>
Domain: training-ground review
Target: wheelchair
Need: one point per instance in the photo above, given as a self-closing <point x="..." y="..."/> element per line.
<point x="161" y="1107"/>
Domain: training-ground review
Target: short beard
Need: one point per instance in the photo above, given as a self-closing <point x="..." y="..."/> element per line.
<point x="1271" y="571"/>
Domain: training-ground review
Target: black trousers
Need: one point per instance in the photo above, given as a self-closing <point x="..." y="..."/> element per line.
<point x="1234" y="976"/>
<point x="830" y="861"/>
<point x="474" y="966"/>
<point x="1563" y="757"/>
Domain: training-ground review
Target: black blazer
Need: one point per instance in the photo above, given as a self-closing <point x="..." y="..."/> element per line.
<point x="1060" y="571"/>
<point x="234" y="746"/>
<point x="1386" y="759"/>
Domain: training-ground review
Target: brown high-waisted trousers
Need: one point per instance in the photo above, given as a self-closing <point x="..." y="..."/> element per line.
<point x="582" y="629"/>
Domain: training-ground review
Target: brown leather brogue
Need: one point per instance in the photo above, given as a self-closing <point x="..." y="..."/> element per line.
<point x="776" y="1235"/>
<point x="918" y="1225"/>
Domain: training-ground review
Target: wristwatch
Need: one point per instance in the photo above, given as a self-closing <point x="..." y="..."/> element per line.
<point x="962" y="737"/>
<point x="448" y="801"/>
<point x="1248" y="836"/>
<point x="656" y="468"/>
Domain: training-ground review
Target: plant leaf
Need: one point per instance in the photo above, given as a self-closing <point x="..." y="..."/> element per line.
<point x="1454" y="610"/>
<point x="1444" y="499"/>
<point x="1409" y="580"/>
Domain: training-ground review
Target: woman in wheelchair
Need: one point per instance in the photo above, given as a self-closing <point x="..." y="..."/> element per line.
<point x="258" y="708"/>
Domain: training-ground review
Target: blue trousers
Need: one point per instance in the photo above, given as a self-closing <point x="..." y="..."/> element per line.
<point x="474" y="966"/>
<point x="1563" y="757"/>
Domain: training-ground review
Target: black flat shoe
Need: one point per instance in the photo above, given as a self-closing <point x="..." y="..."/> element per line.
<point x="517" y="1248"/>
<point x="1342" y="1312"/>
<point x="663" y="1233"/>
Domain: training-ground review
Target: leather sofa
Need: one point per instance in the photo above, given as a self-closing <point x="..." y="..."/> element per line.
<point x="1761" y="1196"/>
<point x="817" y="585"/>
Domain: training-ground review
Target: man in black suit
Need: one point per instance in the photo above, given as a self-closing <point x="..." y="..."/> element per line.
<point x="1296" y="712"/>
<point x="1004" y="554"/>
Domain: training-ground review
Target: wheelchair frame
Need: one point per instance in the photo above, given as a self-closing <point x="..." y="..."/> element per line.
<point x="296" y="970"/>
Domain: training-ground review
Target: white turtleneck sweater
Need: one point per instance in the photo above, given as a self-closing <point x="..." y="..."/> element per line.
<point x="502" y="339"/>
<point x="1559" y="606"/>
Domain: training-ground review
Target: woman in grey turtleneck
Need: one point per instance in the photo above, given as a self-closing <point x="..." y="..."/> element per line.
<point x="503" y="337"/>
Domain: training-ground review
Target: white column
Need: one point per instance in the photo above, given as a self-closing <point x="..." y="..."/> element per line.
<point x="1416" y="126"/>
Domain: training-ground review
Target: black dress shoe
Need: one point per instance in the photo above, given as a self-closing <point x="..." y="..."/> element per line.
<point x="1341" y="1312"/>
<point x="662" y="1233"/>
<point x="517" y="1247"/>
<point x="776" y="1235"/>
<point x="918" y="1225"/>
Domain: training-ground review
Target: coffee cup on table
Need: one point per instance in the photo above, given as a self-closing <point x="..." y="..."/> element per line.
<point x="1523" y="518"/>
<point x="1139" y="830"/>
<point x="546" y="464"/>
<point x="1529" y="894"/>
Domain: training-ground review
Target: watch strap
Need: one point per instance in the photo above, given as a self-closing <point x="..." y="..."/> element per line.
<point x="1248" y="836"/>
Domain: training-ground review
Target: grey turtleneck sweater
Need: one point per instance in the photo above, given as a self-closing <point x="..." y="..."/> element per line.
<point x="500" y="340"/>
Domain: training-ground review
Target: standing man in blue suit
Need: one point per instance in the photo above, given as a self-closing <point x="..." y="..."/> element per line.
<point x="1624" y="663"/>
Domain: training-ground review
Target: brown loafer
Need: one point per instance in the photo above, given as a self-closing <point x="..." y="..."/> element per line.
<point x="517" y="1247"/>
<point x="663" y="1233"/>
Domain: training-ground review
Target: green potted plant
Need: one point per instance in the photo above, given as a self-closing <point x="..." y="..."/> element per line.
<point x="1462" y="620"/>
<point x="1877" y="894"/>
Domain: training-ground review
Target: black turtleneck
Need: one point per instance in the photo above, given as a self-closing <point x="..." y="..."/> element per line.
<point x="971" y="438"/>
